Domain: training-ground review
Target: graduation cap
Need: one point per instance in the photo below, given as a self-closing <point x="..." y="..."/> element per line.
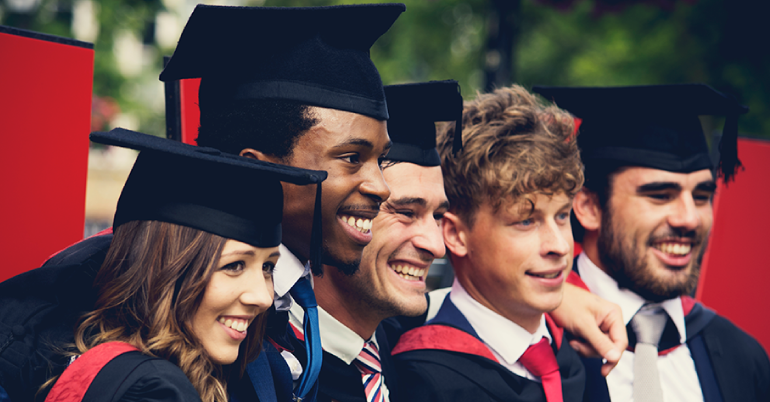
<point x="414" y="109"/>
<point x="204" y="188"/>
<point x="653" y="126"/>
<point x="314" y="55"/>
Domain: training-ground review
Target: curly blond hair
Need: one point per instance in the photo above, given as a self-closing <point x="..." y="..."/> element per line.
<point x="515" y="145"/>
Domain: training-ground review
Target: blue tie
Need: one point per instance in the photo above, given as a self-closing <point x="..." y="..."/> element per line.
<point x="303" y="294"/>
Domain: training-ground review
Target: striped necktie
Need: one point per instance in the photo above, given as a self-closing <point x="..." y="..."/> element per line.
<point x="368" y="363"/>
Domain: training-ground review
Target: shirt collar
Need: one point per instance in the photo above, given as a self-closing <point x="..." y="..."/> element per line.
<point x="508" y="339"/>
<point x="604" y="286"/>
<point x="336" y="339"/>
<point x="287" y="271"/>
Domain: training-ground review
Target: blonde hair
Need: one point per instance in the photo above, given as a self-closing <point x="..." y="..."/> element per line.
<point x="149" y="287"/>
<point x="515" y="145"/>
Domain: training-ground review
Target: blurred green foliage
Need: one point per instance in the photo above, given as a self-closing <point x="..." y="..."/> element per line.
<point x="719" y="42"/>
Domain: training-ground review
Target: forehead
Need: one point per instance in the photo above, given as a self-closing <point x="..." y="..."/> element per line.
<point x="408" y="180"/>
<point x="339" y="126"/>
<point x="632" y="177"/>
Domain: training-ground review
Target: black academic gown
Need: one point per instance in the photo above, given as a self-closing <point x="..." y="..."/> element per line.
<point x="39" y="309"/>
<point x="459" y="367"/>
<point x="342" y="382"/>
<point x="150" y="379"/>
<point x="731" y="365"/>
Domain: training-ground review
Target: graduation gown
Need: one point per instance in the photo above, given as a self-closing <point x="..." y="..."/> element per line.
<point x="150" y="379"/>
<point x="445" y="360"/>
<point x="39" y="309"/>
<point x="731" y="365"/>
<point x="342" y="382"/>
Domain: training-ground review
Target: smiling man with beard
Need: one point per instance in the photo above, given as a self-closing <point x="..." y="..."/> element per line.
<point x="646" y="213"/>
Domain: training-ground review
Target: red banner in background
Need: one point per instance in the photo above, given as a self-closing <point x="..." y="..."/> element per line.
<point x="735" y="273"/>
<point x="45" y="114"/>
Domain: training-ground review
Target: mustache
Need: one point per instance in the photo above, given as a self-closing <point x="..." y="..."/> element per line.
<point x="371" y="208"/>
<point x="677" y="234"/>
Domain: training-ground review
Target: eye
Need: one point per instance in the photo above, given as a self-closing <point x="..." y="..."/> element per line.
<point x="660" y="196"/>
<point x="352" y="158"/>
<point x="406" y="212"/>
<point x="563" y="216"/>
<point x="438" y="216"/>
<point x="702" y="198"/>
<point x="234" y="267"/>
<point x="268" y="267"/>
<point x="525" y="222"/>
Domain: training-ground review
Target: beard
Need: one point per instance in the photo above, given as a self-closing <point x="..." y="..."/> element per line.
<point x="625" y="260"/>
<point x="328" y="258"/>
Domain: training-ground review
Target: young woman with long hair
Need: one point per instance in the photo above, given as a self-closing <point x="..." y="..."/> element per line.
<point x="183" y="292"/>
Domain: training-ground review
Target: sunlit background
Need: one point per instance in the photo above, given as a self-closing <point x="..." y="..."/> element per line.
<point x="480" y="43"/>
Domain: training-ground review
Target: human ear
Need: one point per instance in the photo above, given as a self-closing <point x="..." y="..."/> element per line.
<point x="455" y="234"/>
<point x="586" y="209"/>
<point x="259" y="155"/>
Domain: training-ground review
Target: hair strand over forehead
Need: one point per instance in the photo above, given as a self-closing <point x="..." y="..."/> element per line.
<point x="515" y="145"/>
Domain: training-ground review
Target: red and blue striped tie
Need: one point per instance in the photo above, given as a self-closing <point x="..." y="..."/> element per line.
<point x="368" y="363"/>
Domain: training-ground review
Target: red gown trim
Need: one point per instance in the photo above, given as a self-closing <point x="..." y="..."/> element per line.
<point x="74" y="382"/>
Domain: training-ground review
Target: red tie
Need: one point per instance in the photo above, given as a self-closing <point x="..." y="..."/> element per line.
<point x="540" y="361"/>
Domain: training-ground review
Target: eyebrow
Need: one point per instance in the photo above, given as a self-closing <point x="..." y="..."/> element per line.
<point x="239" y="252"/>
<point x="709" y="186"/>
<point x="416" y="200"/>
<point x="362" y="143"/>
<point x="658" y="186"/>
<point x="275" y="254"/>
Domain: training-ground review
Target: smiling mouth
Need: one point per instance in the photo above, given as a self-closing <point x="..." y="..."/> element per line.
<point x="409" y="272"/>
<point x="237" y="324"/>
<point x="552" y="275"/>
<point x="673" y="248"/>
<point x="363" y="225"/>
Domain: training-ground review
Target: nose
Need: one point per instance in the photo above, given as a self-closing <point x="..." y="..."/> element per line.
<point x="430" y="238"/>
<point x="556" y="240"/>
<point x="373" y="184"/>
<point x="257" y="292"/>
<point x="684" y="214"/>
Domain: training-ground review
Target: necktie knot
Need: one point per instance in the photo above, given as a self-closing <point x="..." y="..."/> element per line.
<point x="368" y="363"/>
<point x="540" y="360"/>
<point x="648" y="326"/>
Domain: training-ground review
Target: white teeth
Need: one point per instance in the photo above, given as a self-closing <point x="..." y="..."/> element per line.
<point x="362" y="225"/>
<point x="674" y="248"/>
<point x="408" y="272"/>
<point x="238" y="325"/>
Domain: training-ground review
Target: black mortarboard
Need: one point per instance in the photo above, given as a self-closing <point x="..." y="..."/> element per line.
<point x="654" y="126"/>
<point x="231" y="196"/>
<point x="314" y="55"/>
<point x="414" y="109"/>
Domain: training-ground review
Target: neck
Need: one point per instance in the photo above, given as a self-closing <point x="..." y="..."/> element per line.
<point x="345" y="306"/>
<point x="590" y="247"/>
<point x="510" y="310"/>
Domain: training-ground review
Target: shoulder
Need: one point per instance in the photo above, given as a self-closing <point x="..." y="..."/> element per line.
<point x="740" y="362"/>
<point x="439" y="375"/>
<point x="134" y="376"/>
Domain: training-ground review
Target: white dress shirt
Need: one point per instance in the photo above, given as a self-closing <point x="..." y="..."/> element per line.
<point x="287" y="272"/>
<point x="506" y="339"/>
<point x="336" y="339"/>
<point x="678" y="377"/>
